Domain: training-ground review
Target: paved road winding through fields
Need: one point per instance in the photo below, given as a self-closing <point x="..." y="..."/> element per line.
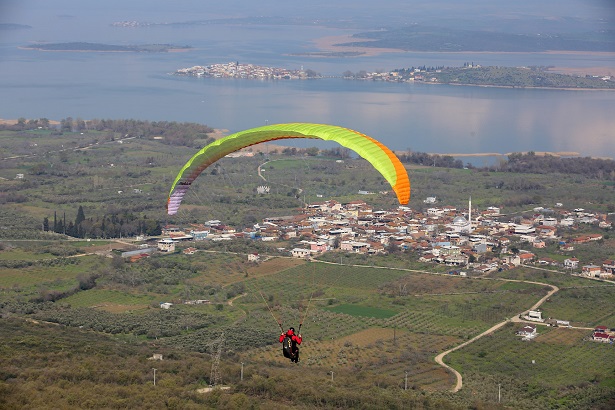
<point x="439" y="358"/>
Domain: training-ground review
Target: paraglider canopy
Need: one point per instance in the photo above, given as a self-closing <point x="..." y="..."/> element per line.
<point x="381" y="157"/>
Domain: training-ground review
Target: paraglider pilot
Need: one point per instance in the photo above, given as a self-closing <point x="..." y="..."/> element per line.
<point x="290" y="344"/>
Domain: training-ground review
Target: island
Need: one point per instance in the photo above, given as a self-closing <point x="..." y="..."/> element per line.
<point x="246" y="71"/>
<point x="112" y="48"/>
<point x="470" y="74"/>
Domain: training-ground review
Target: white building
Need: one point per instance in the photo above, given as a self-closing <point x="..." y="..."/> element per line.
<point x="527" y="332"/>
<point x="524" y="229"/>
<point x="534" y="315"/>
<point x="460" y="225"/>
<point x="166" y="245"/>
<point x="300" y="253"/>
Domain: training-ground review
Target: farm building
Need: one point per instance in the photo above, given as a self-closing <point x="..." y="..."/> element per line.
<point x="527" y="332"/>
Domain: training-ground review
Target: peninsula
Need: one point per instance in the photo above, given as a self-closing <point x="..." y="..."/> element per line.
<point x="492" y="76"/>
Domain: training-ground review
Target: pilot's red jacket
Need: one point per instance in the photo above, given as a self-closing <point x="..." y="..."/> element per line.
<point x="295" y="338"/>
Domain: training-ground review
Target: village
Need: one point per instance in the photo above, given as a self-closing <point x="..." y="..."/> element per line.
<point x="246" y="71"/>
<point x="469" y="241"/>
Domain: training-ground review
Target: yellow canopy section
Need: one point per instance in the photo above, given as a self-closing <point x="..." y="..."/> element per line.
<point x="381" y="158"/>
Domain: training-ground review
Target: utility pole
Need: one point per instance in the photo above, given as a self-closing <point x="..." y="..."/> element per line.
<point x="499" y="393"/>
<point x="241" y="377"/>
<point x="154" y="375"/>
<point x="406" y="382"/>
<point x="331" y="376"/>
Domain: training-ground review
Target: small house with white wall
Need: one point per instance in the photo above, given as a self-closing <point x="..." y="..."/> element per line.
<point x="527" y="332"/>
<point x="166" y="245"/>
<point x="300" y="253"/>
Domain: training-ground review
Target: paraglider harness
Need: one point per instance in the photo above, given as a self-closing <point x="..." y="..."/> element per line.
<point x="290" y="348"/>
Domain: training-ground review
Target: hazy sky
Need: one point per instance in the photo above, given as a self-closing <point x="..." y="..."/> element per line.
<point x="520" y="15"/>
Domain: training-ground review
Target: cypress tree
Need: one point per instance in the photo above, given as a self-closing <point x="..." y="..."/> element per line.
<point x="80" y="216"/>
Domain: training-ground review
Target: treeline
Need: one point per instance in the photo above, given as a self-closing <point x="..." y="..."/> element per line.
<point x="172" y="133"/>
<point x="529" y="163"/>
<point x="432" y="160"/>
<point x="114" y="225"/>
<point x="603" y="169"/>
<point x="24" y="124"/>
<point x="167" y="132"/>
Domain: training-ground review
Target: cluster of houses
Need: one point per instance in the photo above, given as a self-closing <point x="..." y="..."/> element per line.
<point x="480" y="240"/>
<point x="237" y="70"/>
<point x="528" y="332"/>
<point x="603" y="334"/>
<point x="600" y="334"/>
<point x="536" y="316"/>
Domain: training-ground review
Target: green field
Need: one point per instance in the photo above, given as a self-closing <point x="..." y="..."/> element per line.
<point x="583" y="306"/>
<point x="107" y="298"/>
<point x="532" y="372"/>
<point x="366" y="311"/>
<point x="48" y="272"/>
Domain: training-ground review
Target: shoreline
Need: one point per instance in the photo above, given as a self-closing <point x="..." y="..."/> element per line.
<point x="336" y="44"/>
<point x="222" y="132"/>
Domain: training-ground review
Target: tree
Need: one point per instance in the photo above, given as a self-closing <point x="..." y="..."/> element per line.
<point x="392" y="247"/>
<point x="66" y="124"/>
<point x="80" y="216"/>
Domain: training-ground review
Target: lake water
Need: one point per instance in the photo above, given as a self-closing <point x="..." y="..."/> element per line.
<point x="421" y="117"/>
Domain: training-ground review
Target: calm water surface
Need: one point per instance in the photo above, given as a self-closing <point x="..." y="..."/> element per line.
<point x="421" y="117"/>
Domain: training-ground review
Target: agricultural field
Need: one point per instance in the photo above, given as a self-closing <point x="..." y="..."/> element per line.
<point x="364" y="311"/>
<point x="51" y="272"/>
<point x="109" y="300"/>
<point x="367" y="321"/>
<point x="538" y="373"/>
<point x="587" y="306"/>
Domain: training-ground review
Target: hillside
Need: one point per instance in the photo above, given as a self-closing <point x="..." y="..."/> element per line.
<point x="79" y="322"/>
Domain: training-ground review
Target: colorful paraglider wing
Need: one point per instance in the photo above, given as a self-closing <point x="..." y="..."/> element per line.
<point x="381" y="158"/>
